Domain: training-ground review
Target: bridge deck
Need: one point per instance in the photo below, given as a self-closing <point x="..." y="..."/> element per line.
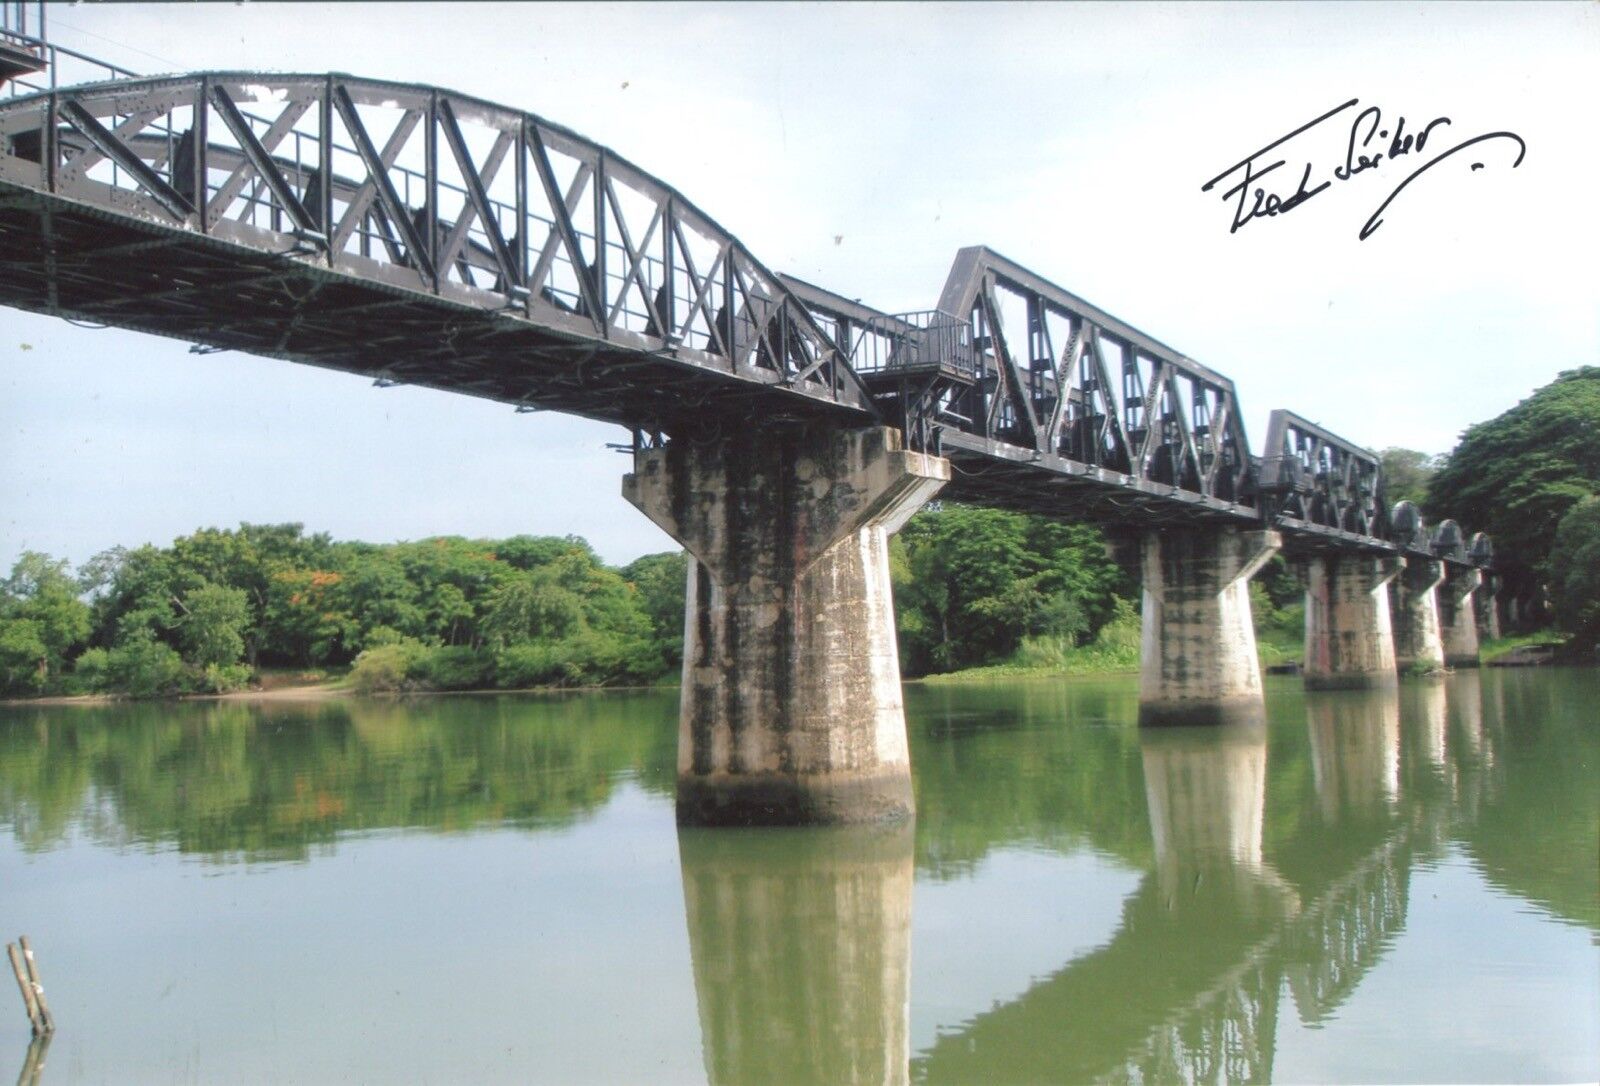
<point x="62" y="258"/>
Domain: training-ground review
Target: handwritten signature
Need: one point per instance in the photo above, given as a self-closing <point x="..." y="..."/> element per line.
<point x="1365" y="150"/>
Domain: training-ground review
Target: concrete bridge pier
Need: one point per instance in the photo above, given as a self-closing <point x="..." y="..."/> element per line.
<point x="1198" y="660"/>
<point x="1418" y="645"/>
<point x="1487" y="607"/>
<point x="790" y="709"/>
<point x="1349" y="639"/>
<point x="1458" y="620"/>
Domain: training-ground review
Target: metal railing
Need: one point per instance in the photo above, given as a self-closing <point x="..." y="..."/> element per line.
<point x="62" y="66"/>
<point x="927" y="338"/>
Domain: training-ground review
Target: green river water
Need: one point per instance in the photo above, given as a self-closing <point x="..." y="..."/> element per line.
<point x="1399" y="887"/>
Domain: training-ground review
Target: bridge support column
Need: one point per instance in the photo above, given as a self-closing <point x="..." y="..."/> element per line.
<point x="1198" y="660"/>
<point x="1488" y="608"/>
<point x="790" y="708"/>
<point x="1417" y="644"/>
<point x="1349" y="640"/>
<point x="1458" y="620"/>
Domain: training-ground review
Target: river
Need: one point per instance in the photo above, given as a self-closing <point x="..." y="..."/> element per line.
<point x="1376" y="887"/>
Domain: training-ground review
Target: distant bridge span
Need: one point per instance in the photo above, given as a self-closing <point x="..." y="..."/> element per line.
<point x="419" y="236"/>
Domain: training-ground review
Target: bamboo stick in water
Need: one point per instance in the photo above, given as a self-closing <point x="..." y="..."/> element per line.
<point x="38" y="985"/>
<point x="26" y="987"/>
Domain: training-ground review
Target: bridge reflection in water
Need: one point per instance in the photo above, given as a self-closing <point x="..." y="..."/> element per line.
<point x="777" y="1002"/>
<point x="1273" y="876"/>
<point x="1188" y="988"/>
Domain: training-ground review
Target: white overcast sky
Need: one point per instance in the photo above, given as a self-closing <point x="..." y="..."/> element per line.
<point x="859" y="147"/>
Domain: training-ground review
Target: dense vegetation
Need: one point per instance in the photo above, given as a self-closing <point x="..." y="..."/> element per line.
<point x="973" y="588"/>
<point x="448" y="613"/>
<point x="1517" y="475"/>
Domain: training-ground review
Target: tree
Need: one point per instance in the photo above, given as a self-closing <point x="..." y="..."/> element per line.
<point x="1574" y="571"/>
<point x="532" y="606"/>
<point x="661" y="580"/>
<point x="213" y="625"/>
<point x="1518" y="474"/>
<point x="971" y="583"/>
<point x="23" y="657"/>
<point x="1406" y="473"/>
<point x="41" y="622"/>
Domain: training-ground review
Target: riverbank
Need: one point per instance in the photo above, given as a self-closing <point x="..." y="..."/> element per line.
<point x="1117" y="654"/>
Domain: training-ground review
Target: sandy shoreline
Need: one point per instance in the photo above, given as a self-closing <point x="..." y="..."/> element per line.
<point x="314" y="692"/>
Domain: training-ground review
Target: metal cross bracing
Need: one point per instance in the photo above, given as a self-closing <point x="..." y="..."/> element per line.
<point x="419" y="236"/>
<point x="1321" y="489"/>
<point x="1043" y="402"/>
<point x="407" y="233"/>
<point x="1142" y="435"/>
<point x="1325" y="493"/>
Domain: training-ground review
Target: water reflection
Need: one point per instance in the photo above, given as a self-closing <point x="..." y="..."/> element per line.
<point x="801" y="942"/>
<point x="231" y="781"/>
<point x="1355" y="751"/>
<point x="1257" y="877"/>
<point x="1423" y="703"/>
<point x="33" y="1061"/>
<point x="1187" y="988"/>
<point x="1206" y="791"/>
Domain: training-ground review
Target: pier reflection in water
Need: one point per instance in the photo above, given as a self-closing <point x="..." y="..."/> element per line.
<point x="802" y="943"/>
<point x="1093" y="900"/>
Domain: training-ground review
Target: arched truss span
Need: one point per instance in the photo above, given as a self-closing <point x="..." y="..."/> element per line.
<point x="404" y="231"/>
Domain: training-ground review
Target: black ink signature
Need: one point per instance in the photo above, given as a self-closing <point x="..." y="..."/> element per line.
<point x="1361" y="154"/>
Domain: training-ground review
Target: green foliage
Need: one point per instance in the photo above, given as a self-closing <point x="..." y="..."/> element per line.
<point x="451" y="667"/>
<point x="90" y="672"/>
<point x="272" y="594"/>
<point x="41" y="622"/>
<point x="386" y="668"/>
<point x="1114" y="648"/>
<point x="213" y="625"/>
<point x="1516" y="475"/>
<point x="1491" y="650"/>
<point x="532" y="606"/>
<point x="224" y="678"/>
<point x="1574" y="570"/>
<point x="142" y="667"/>
<point x="659" y="580"/>
<point x="1406" y="473"/>
<point x="970" y="584"/>
<point x="24" y="659"/>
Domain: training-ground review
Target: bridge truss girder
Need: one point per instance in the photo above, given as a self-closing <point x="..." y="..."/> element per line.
<point x="346" y="222"/>
<point x="416" y="235"/>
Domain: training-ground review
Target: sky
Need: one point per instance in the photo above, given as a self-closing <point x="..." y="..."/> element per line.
<point x="859" y="147"/>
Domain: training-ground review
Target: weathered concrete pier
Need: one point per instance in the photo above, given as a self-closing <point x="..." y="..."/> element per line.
<point x="1198" y="662"/>
<point x="1418" y="646"/>
<point x="1458" y="620"/>
<point x="791" y="709"/>
<point x="1349" y="639"/>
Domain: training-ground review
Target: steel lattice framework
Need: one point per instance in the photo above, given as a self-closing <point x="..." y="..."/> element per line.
<point x="404" y="232"/>
<point x="419" y="236"/>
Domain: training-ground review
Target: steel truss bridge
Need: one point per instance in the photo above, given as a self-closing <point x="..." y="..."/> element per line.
<point x="414" y="235"/>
